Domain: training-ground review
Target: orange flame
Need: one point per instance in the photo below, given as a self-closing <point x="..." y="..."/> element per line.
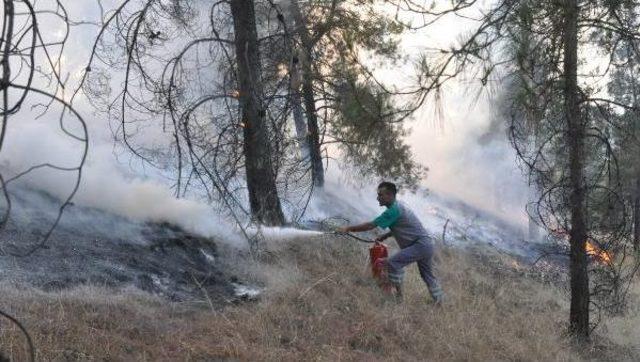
<point x="598" y="254"/>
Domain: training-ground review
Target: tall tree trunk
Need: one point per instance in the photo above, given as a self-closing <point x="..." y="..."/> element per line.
<point x="636" y="132"/>
<point x="261" y="180"/>
<point x="533" y="228"/>
<point x="296" y="105"/>
<point x="579" y="312"/>
<point x="313" y="134"/>
<point x="636" y="213"/>
<point x="532" y="74"/>
<point x="294" y="89"/>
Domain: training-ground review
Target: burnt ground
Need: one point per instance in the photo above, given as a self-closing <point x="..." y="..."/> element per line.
<point x="91" y="246"/>
<point x="94" y="247"/>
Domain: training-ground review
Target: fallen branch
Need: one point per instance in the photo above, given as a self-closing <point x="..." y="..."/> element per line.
<point x="32" y="350"/>
<point x="321" y="280"/>
<point x="444" y="232"/>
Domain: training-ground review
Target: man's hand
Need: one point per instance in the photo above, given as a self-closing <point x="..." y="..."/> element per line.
<point x="382" y="237"/>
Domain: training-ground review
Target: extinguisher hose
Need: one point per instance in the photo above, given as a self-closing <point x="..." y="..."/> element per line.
<point x="362" y="240"/>
<point x="330" y="223"/>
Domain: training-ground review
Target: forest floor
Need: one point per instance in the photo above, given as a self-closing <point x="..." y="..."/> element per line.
<point x="320" y="303"/>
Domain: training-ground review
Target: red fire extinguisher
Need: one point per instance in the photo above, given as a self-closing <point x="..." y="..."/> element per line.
<point x="378" y="254"/>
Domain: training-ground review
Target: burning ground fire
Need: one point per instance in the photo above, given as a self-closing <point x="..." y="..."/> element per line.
<point x="598" y="254"/>
<point x="601" y="256"/>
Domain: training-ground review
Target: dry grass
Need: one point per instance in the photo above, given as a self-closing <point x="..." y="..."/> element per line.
<point x="320" y="305"/>
<point x="624" y="330"/>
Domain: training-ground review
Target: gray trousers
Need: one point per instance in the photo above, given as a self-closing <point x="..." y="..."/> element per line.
<point x="420" y="252"/>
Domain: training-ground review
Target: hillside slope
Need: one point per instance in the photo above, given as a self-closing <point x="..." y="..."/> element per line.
<point x="111" y="288"/>
<point x="320" y="304"/>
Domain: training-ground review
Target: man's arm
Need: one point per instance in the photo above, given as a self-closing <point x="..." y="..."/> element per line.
<point x="385" y="220"/>
<point x="357" y="228"/>
<point x="383" y="236"/>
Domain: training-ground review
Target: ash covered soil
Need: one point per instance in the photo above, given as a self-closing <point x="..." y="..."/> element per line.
<point x="92" y="247"/>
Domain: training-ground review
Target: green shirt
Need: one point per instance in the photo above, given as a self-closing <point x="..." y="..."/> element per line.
<point x="405" y="226"/>
<point x="389" y="217"/>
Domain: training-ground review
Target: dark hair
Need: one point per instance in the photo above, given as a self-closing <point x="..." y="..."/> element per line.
<point x="389" y="186"/>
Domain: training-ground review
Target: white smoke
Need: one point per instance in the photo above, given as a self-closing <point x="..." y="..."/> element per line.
<point x="481" y="175"/>
<point x="446" y="132"/>
<point x="105" y="183"/>
<point x="485" y="173"/>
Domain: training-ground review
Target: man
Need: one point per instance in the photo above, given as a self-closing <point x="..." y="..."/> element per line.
<point x="412" y="238"/>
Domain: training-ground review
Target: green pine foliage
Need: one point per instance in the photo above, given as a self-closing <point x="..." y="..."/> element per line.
<point x="371" y="137"/>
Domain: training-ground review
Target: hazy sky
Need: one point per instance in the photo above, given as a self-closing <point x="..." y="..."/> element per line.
<point x="445" y="135"/>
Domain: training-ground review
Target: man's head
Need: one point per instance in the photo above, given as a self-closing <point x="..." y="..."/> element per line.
<point x="387" y="193"/>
